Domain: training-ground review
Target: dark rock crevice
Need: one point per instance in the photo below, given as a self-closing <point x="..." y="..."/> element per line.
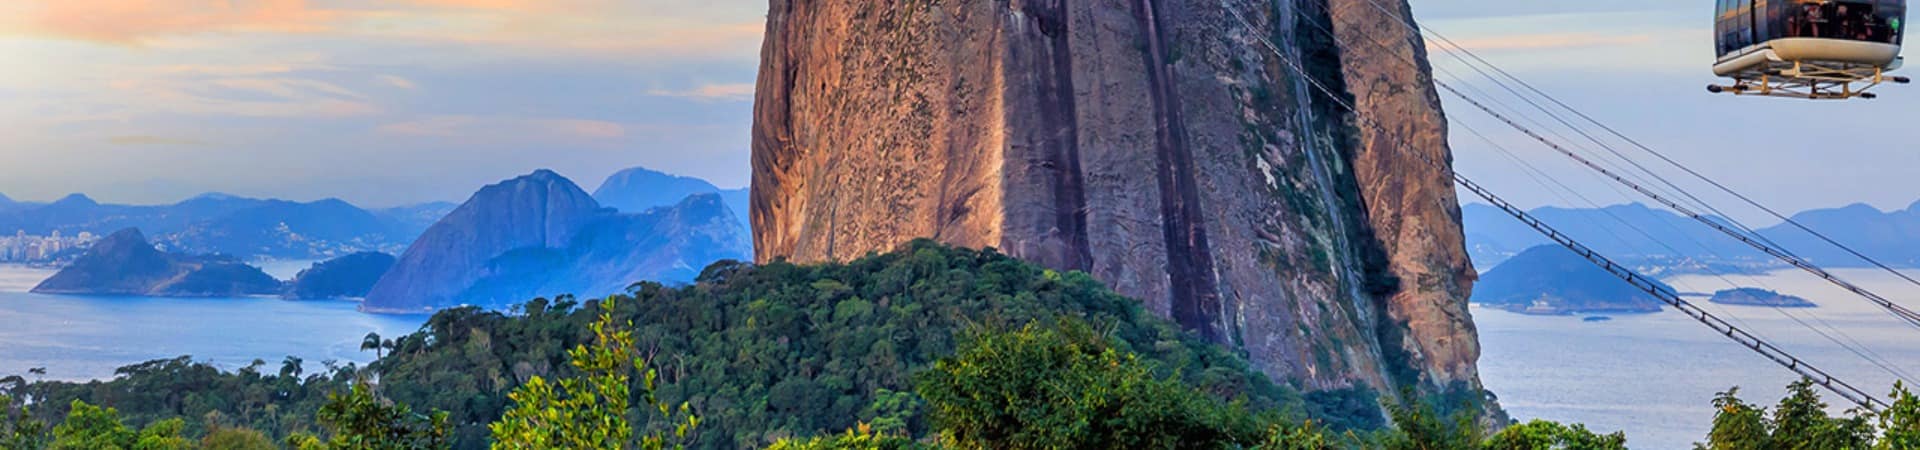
<point x="1196" y="297"/>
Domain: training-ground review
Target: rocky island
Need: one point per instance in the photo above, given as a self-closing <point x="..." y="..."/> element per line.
<point x="1760" y="297"/>
<point x="124" y="263"/>
<point x="348" y="276"/>
<point x="1551" y="280"/>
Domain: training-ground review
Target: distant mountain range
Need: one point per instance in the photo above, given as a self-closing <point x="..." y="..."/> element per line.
<point x="1659" y="241"/>
<point x="541" y="235"/>
<point x="536" y="235"/>
<point x="639" y="189"/>
<point x="241" y="227"/>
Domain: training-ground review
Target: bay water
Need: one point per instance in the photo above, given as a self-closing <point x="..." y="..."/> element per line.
<point x="87" y="337"/>
<point x="1655" y="375"/>
<point x="1651" y="375"/>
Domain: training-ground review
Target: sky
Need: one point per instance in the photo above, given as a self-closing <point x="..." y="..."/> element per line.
<point x="400" y="101"/>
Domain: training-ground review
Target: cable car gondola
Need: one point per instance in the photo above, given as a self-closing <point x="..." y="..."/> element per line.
<point x="1815" y="49"/>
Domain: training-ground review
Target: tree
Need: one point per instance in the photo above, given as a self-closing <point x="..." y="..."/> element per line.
<point x="1419" y="427"/>
<point x="167" y="434"/>
<point x="1545" y="435"/>
<point x="231" y="438"/>
<point x="89" y="427"/>
<point x="362" y="421"/>
<point x="290" y="367"/>
<point x="1900" y="422"/>
<point x="861" y="438"/>
<point x="18" y="428"/>
<point x="1801" y="422"/>
<point x="1042" y="388"/>
<point x="1738" y="425"/>
<point x="589" y="411"/>
<point x="372" y="342"/>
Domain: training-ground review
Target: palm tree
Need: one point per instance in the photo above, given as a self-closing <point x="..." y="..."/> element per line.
<point x="291" y="367"/>
<point x="372" y="342"/>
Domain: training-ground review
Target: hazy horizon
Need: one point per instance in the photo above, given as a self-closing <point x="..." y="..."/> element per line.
<point x="426" y="100"/>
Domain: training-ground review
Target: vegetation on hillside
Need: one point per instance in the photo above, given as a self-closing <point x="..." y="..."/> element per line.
<point x="1801" y="421"/>
<point x="927" y="348"/>
<point x="760" y="352"/>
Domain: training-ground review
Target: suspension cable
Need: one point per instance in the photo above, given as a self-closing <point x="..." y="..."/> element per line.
<point x="1661" y="156"/>
<point x="1862" y="351"/>
<point x="1907" y="315"/>
<point x="1738" y="335"/>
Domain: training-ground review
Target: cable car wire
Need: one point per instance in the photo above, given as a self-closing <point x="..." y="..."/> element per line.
<point x="1752" y="342"/>
<point x="1844" y="341"/>
<point x="1911" y="317"/>
<point x="1662" y="156"/>
<point x="1862" y="351"/>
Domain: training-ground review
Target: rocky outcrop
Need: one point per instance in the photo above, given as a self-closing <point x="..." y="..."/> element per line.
<point x="541" y="235"/>
<point x="124" y="263"/>
<point x="1411" y="205"/>
<point x="1157" y="144"/>
<point x="538" y="210"/>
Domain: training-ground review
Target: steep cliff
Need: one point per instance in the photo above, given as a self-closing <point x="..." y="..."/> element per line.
<point x="1156" y="144"/>
<point x="541" y="235"/>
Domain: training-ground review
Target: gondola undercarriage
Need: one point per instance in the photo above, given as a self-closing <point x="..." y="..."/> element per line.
<point x="1816" y="81"/>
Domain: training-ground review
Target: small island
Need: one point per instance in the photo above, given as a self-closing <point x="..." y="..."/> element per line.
<point x="125" y="264"/>
<point x="1551" y="280"/>
<point x="350" y="276"/>
<point x="1760" y="297"/>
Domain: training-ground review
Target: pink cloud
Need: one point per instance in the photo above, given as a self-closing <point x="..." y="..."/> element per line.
<point x="497" y="128"/>
<point x="132" y="21"/>
<point x="711" y="92"/>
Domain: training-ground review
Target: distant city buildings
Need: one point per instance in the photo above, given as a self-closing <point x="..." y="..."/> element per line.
<point x="29" y="249"/>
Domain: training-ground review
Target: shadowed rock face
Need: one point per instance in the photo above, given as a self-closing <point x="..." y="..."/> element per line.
<point x="538" y="210"/>
<point x="1411" y="205"/>
<point x="541" y="235"/>
<point x="1156" y="144"/>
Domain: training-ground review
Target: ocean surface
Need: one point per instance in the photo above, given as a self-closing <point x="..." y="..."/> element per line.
<point x="80" y="337"/>
<point x="1651" y="375"/>
<point x="1655" y="375"/>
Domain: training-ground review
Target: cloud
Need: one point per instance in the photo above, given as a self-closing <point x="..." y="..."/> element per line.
<point x="494" y="128"/>
<point x="710" y="92"/>
<point x="1546" y="41"/>
<point x="155" y="140"/>
<point x="654" y="27"/>
<point x="396" y="81"/>
<point x="134" y="21"/>
<point x="282" y="96"/>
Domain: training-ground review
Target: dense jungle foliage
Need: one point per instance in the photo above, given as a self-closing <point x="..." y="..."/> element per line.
<point x="926" y="348"/>
<point x="760" y="352"/>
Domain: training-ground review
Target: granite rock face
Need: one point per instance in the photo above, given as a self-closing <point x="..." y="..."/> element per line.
<point x="541" y="235"/>
<point x="1159" y="145"/>
<point x="538" y="210"/>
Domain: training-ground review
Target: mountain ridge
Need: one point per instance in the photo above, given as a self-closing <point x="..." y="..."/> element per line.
<point x="541" y="235"/>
